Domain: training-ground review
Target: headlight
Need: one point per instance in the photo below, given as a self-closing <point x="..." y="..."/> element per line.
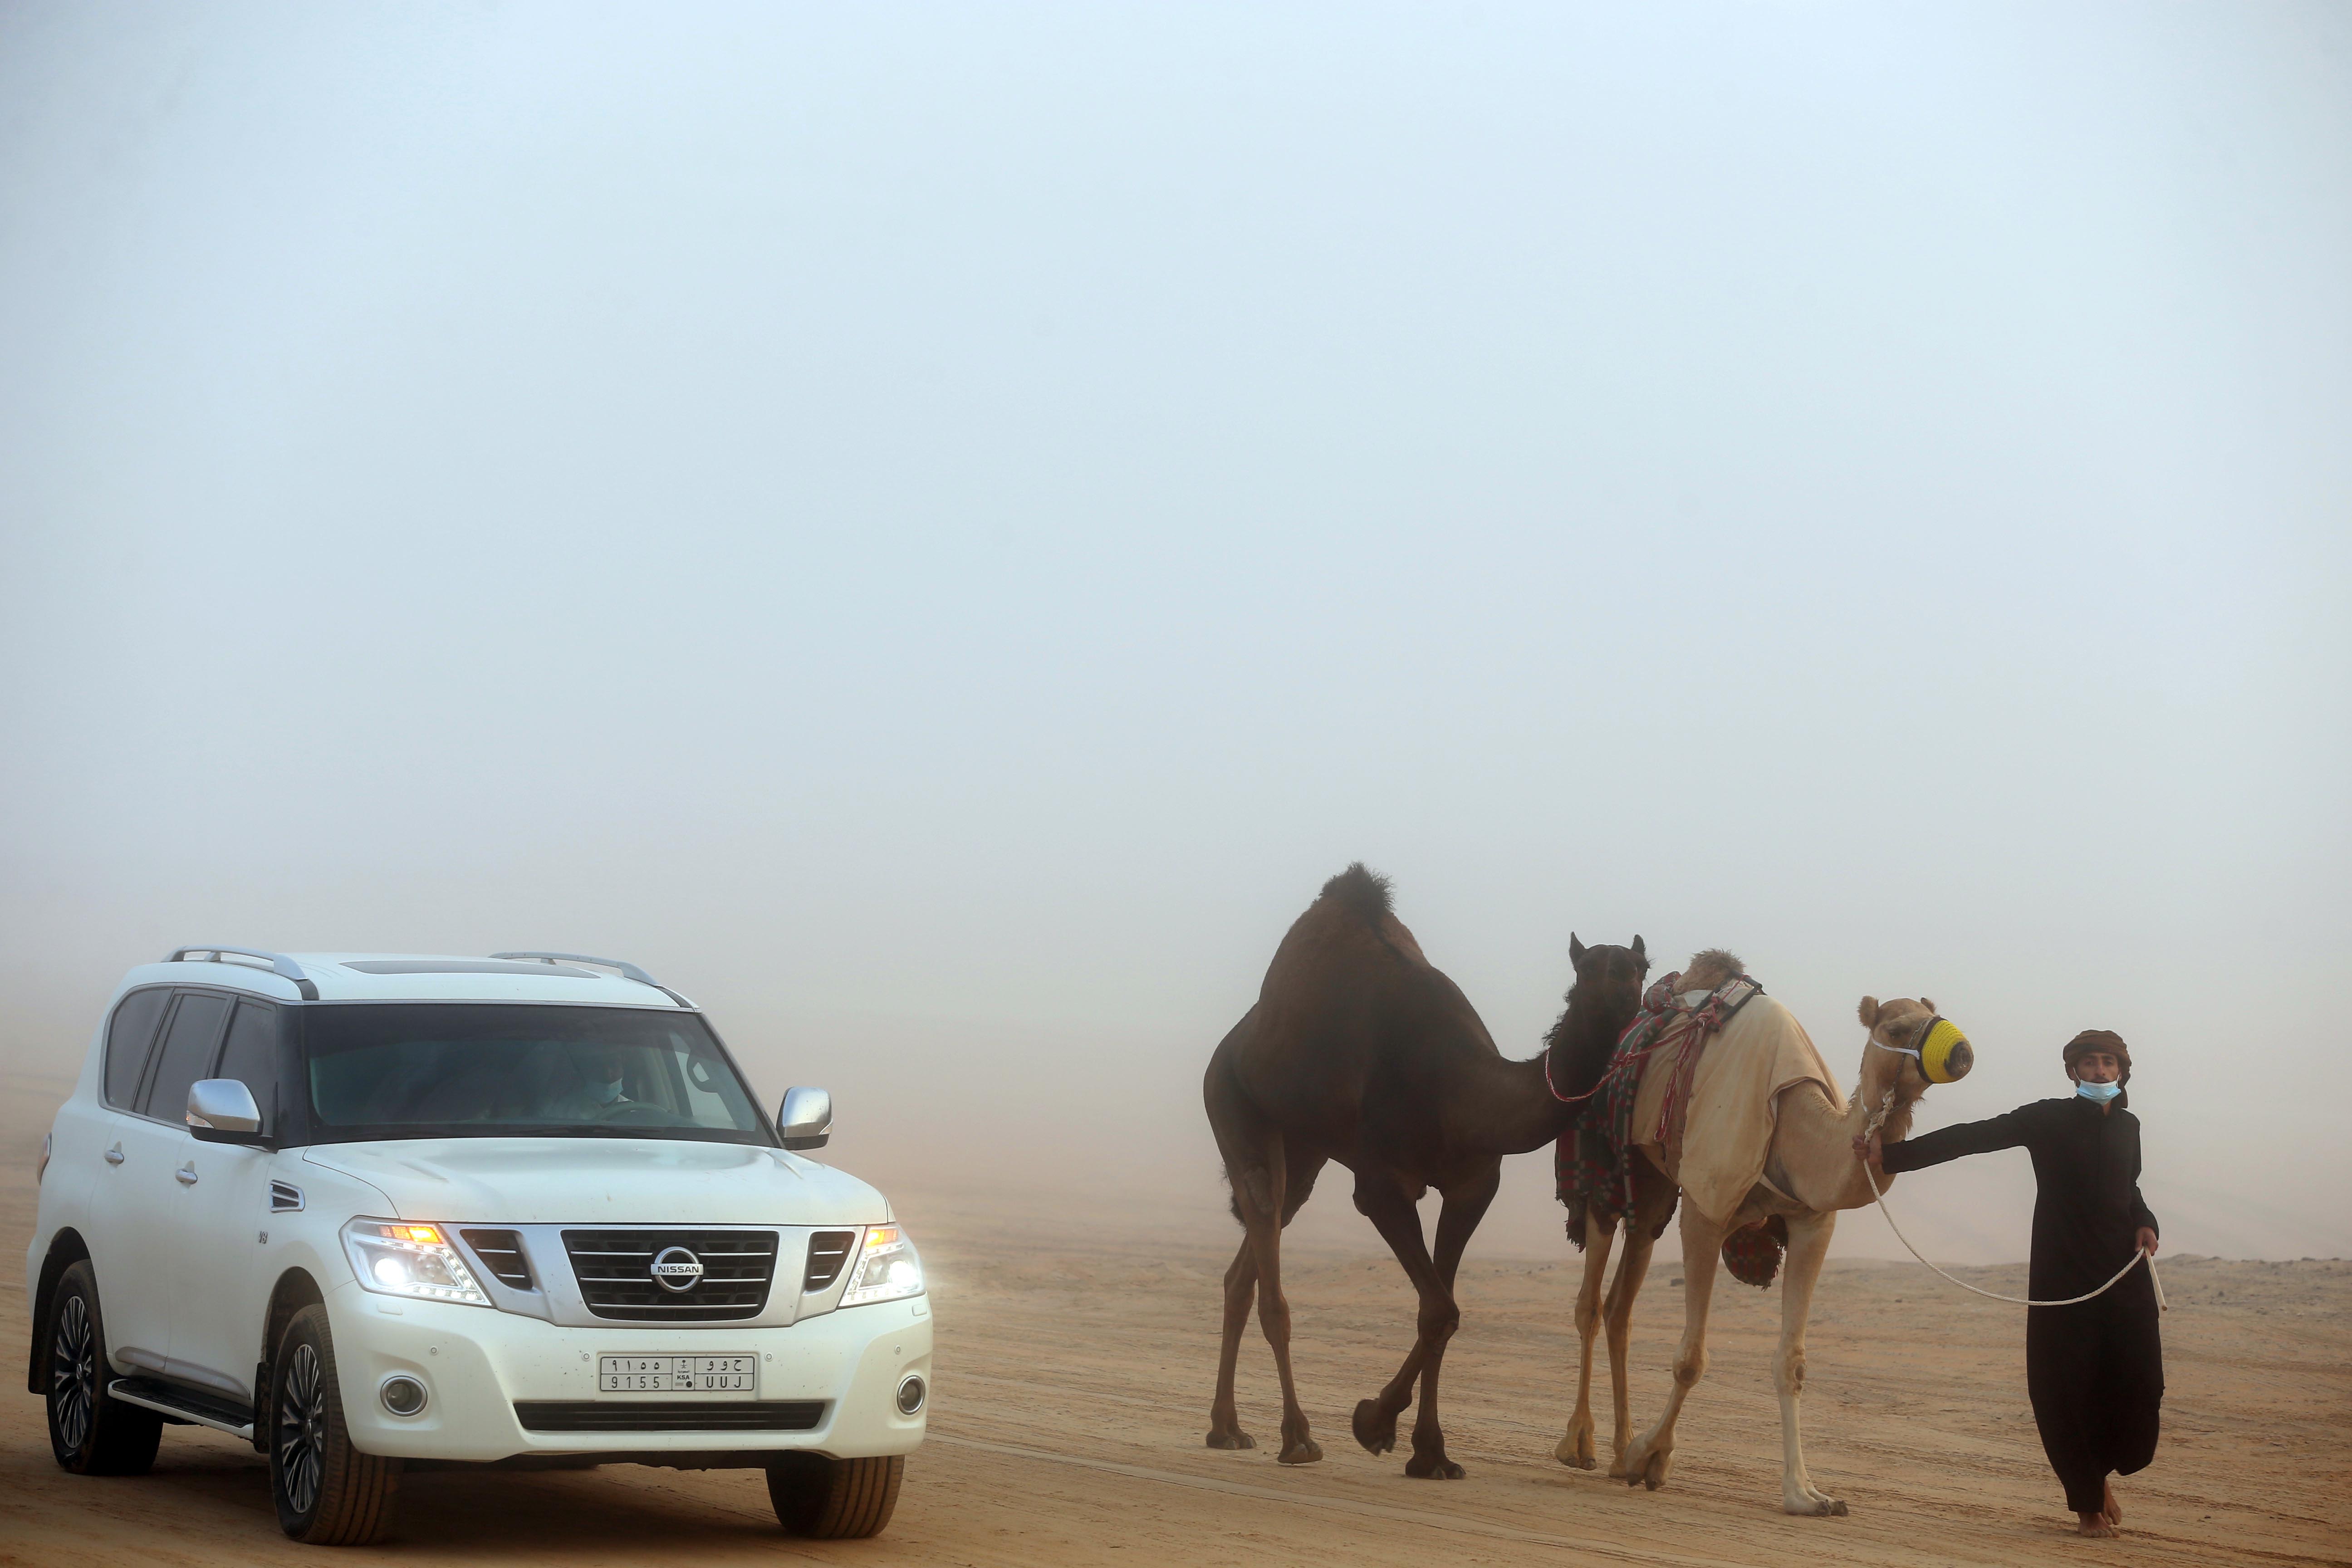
<point x="394" y="1258"/>
<point x="886" y="1270"/>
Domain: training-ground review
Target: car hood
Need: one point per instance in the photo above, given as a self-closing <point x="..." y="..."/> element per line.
<point x="603" y="1180"/>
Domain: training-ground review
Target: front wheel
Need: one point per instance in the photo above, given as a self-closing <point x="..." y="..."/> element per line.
<point x="835" y="1500"/>
<point x="327" y="1492"/>
<point x="90" y="1433"/>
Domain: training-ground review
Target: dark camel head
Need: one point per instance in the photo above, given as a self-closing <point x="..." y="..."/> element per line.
<point x="1606" y="996"/>
<point x="1609" y="978"/>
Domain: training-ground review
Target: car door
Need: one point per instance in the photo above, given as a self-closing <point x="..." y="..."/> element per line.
<point x="121" y="1189"/>
<point x="136" y="1288"/>
<point x="220" y="1286"/>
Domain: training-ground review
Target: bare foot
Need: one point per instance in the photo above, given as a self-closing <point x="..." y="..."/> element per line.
<point x="2094" y="1524"/>
<point x="2107" y="1506"/>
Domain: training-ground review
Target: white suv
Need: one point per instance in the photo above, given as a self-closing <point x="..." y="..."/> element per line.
<point x="367" y="1209"/>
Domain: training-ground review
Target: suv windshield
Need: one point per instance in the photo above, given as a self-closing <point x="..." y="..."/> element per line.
<point x="443" y="1069"/>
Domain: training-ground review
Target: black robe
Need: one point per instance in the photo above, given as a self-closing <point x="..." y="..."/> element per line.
<point x="2094" y="1371"/>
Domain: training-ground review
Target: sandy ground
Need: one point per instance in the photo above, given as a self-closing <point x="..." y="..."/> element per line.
<point x="1075" y="1359"/>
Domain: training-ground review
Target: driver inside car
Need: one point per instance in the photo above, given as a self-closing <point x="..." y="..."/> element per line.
<point x="597" y="1090"/>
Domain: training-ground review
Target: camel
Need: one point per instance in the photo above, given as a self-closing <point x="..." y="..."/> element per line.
<point x="1361" y="1050"/>
<point x="1790" y="1159"/>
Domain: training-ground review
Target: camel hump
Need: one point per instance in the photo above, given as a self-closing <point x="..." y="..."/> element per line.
<point x="1363" y="890"/>
<point x="1361" y="895"/>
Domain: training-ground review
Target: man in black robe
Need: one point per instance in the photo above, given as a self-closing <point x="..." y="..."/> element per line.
<point x="2094" y="1371"/>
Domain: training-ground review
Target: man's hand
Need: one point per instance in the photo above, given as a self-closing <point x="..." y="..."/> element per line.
<point x="1868" y="1149"/>
<point x="2147" y="1240"/>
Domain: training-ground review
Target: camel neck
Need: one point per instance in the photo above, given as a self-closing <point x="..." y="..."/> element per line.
<point x="1574" y="1056"/>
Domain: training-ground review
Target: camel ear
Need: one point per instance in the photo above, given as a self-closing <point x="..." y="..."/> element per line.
<point x="1928" y="1002"/>
<point x="1641" y="952"/>
<point x="1868" y="1012"/>
<point x="1575" y="950"/>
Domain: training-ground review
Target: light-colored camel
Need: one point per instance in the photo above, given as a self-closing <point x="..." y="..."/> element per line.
<point x="1808" y="1171"/>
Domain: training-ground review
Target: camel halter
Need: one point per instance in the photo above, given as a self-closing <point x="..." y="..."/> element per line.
<point x="1878" y="1120"/>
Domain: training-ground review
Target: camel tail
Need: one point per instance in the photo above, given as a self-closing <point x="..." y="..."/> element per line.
<point x="1361" y="889"/>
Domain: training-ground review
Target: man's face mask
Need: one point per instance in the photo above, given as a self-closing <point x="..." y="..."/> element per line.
<point x="2102" y="1092"/>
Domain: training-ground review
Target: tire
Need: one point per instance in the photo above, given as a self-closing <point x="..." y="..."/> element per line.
<point x="90" y="1433"/>
<point x="835" y="1500"/>
<point x="327" y="1492"/>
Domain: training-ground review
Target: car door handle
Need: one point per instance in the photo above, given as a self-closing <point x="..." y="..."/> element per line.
<point x="114" y="1155"/>
<point x="185" y="1175"/>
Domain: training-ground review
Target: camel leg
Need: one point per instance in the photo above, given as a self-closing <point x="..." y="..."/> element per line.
<point x="1457" y="1219"/>
<point x="1808" y="1244"/>
<point x="1258" y="1186"/>
<point x="1648" y="1460"/>
<point x="1576" y="1448"/>
<point x="1241" y="1290"/>
<point x="1652" y="1202"/>
<point x="1393" y="1216"/>
<point x="1262" y="1214"/>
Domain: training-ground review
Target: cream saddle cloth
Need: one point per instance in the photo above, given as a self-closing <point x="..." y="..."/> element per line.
<point x="1733" y="1102"/>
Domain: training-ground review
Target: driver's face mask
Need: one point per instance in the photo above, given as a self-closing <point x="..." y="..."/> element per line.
<point x="602" y="1091"/>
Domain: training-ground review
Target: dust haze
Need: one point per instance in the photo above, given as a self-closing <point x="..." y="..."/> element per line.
<point x="935" y="530"/>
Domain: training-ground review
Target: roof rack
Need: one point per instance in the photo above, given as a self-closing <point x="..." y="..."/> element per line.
<point x="277" y="964"/>
<point x="628" y="971"/>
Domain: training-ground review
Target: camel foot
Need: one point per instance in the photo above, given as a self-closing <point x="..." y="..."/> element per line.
<point x="2095" y="1525"/>
<point x="1304" y="1451"/>
<point x="1230" y="1438"/>
<point x="1811" y="1504"/>
<point x="1575" y="1450"/>
<point x="1375" y="1428"/>
<point x="1647" y="1468"/>
<point x="1434" y="1467"/>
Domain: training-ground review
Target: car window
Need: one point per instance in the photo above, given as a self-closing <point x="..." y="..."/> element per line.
<point x="187" y="1051"/>
<point x="127" y="1040"/>
<point x="250" y="1055"/>
<point x="384" y="1069"/>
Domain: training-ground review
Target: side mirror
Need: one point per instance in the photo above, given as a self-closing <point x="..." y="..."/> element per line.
<point x="221" y="1111"/>
<point x="807" y="1120"/>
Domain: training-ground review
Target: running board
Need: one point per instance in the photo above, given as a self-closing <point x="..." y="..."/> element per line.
<point x="169" y="1399"/>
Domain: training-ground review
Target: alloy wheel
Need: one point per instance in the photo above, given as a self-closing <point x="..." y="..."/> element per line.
<point x="302" y="1430"/>
<point x="73" y="1373"/>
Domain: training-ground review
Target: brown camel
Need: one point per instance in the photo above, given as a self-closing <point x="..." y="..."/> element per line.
<point x="1769" y="1137"/>
<point x="1359" y="1050"/>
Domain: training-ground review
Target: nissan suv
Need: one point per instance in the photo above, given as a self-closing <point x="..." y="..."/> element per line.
<point x="522" y="1210"/>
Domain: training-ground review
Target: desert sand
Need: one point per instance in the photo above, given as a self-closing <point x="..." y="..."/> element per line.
<point x="1075" y="1354"/>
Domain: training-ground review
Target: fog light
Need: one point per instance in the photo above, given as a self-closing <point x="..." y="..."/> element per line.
<point x="910" y="1393"/>
<point x="402" y="1396"/>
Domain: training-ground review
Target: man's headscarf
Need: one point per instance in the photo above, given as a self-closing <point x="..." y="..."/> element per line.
<point x="2106" y="1040"/>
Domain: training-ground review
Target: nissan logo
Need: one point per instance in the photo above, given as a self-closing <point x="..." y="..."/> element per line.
<point x="676" y="1268"/>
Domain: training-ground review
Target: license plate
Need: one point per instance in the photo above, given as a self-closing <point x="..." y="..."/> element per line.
<point x="676" y="1375"/>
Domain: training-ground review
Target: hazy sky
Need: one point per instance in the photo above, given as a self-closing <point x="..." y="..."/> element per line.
<point x="934" y="529"/>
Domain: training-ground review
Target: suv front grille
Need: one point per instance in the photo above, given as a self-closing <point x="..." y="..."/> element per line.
<point x="828" y="1250"/>
<point x="614" y="1268"/>
<point x="501" y="1253"/>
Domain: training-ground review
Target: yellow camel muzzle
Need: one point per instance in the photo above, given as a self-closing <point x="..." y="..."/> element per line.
<point x="1943" y="1053"/>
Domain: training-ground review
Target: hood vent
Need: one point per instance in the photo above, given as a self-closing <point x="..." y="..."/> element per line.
<point x="828" y="1250"/>
<point x="501" y="1253"/>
